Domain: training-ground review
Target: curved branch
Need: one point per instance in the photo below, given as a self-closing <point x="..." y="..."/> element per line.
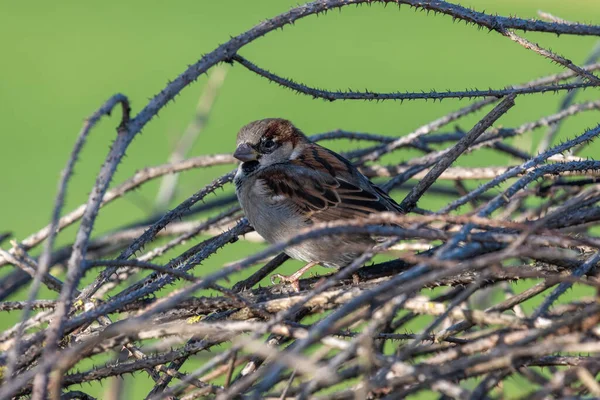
<point x="375" y="96"/>
<point x="44" y="261"/>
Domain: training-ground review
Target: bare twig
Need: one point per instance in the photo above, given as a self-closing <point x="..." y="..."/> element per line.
<point x="191" y="133"/>
<point x="411" y="200"/>
<point x="343" y="332"/>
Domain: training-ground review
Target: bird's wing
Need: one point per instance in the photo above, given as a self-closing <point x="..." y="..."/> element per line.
<point x="324" y="186"/>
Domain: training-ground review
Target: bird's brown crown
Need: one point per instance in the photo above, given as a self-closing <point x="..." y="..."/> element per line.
<point x="277" y="129"/>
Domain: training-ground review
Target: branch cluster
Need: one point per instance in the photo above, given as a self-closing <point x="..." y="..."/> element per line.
<point x="370" y="330"/>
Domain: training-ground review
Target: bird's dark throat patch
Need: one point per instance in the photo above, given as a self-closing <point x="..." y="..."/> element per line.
<point x="250" y="166"/>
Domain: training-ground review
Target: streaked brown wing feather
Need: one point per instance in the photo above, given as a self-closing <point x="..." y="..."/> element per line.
<point x="319" y="183"/>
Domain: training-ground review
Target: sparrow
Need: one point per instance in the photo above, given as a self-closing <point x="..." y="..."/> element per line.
<point x="286" y="183"/>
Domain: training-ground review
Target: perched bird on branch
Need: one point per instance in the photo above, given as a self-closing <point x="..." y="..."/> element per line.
<point x="286" y="183"/>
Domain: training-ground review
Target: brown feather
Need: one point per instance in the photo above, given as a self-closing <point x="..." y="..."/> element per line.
<point x="317" y="183"/>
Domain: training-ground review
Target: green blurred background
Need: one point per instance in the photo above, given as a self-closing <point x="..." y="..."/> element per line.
<point x="61" y="60"/>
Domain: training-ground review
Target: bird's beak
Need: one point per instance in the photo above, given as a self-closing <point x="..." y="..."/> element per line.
<point x="245" y="152"/>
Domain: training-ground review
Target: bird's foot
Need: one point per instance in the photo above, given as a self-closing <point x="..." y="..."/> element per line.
<point x="293" y="279"/>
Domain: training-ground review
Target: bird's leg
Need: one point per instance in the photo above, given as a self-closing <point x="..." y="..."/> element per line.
<point x="293" y="279"/>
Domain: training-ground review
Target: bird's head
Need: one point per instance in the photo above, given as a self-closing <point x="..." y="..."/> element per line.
<point x="267" y="142"/>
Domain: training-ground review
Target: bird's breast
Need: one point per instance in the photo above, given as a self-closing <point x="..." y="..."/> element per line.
<point x="272" y="218"/>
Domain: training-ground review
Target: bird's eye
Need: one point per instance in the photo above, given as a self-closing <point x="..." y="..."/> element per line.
<point x="268" y="145"/>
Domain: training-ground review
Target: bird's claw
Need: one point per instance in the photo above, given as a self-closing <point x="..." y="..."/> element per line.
<point x="292" y="280"/>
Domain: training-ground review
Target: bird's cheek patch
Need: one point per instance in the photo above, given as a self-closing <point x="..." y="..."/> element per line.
<point x="296" y="153"/>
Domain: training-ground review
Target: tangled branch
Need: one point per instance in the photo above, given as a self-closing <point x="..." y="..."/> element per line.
<point x="349" y="333"/>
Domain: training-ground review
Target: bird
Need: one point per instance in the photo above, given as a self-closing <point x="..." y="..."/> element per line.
<point x="286" y="183"/>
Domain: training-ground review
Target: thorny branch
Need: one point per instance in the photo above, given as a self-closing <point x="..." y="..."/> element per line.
<point x="349" y="331"/>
